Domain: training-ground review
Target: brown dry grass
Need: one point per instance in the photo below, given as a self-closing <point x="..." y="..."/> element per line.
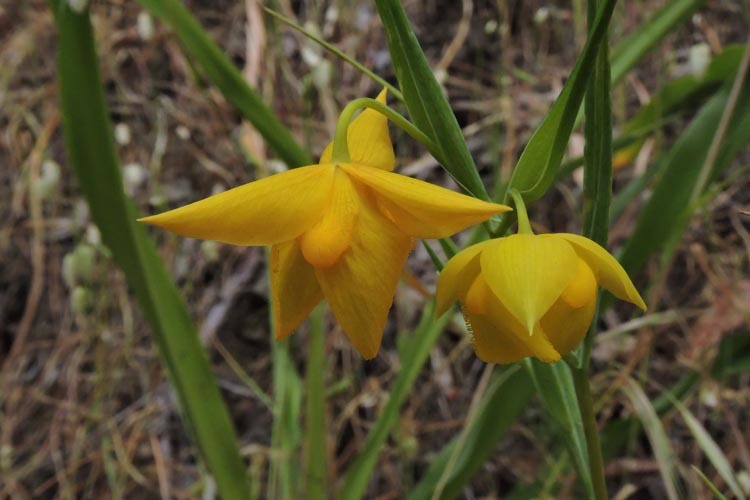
<point x="85" y="410"/>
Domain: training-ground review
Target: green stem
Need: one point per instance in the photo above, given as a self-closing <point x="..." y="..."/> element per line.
<point x="317" y="449"/>
<point x="339" y="53"/>
<point x="524" y="227"/>
<point x="340" y="146"/>
<point x="590" y="427"/>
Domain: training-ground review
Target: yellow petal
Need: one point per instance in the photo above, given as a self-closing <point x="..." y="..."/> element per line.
<point x="324" y="243"/>
<point x="360" y="286"/>
<point x="566" y="326"/>
<point x="265" y="212"/>
<point x="457" y="275"/>
<point x="491" y="344"/>
<point x="420" y="208"/>
<point x="609" y="273"/>
<point x="500" y="338"/>
<point x="582" y="288"/>
<point x="294" y="288"/>
<point x="368" y="140"/>
<point x="528" y="274"/>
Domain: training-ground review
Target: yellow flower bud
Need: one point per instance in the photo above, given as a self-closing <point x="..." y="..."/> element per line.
<point x="531" y="295"/>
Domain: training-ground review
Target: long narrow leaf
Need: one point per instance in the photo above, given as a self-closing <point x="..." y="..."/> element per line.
<point x="316" y="453"/>
<point x="222" y="73"/>
<point x="506" y="397"/>
<point x="91" y="153"/>
<point x="657" y="436"/>
<point x="424" y="99"/>
<point x="631" y="49"/>
<point x="541" y="158"/>
<point x="555" y="385"/>
<point x="660" y="217"/>
<point x="711" y="449"/>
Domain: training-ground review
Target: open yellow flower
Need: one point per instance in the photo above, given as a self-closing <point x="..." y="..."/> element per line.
<point x="531" y="295"/>
<point x="339" y="231"/>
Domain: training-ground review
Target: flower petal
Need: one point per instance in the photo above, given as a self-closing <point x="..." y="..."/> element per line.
<point x="294" y="288"/>
<point x="368" y="140"/>
<point x="360" y="286"/>
<point x="491" y="344"/>
<point x="457" y="276"/>
<point x="420" y="208"/>
<point x="500" y="338"/>
<point x="324" y="243"/>
<point x="528" y="273"/>
<point x="566" y="326"/>
<point x="265" y="212"/>
<point x="609" y="273"/>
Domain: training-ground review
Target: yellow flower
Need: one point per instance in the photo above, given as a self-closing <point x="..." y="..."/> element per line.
<point x="531" y="295"/>
<point x="339" y="231"/>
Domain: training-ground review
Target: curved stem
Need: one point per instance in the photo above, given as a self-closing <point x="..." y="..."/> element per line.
<point x="524" y="227"/>
<point x="340" y="146"/>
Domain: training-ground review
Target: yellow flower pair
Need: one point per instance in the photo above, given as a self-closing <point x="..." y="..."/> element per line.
<point x="342" y="231"/>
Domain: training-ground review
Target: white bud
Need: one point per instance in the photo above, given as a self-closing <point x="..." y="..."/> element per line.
<point x="78" y="6"/>
<point x="699" y="57"/>
<point x="133" y="176"/>
<point x="182" y="132"/>
<point x="145" y="26"/>
<point x="122" y="134"/>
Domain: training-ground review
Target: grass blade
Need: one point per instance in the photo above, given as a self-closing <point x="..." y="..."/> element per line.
<point x="286" y="435"/>
<point x="506" y="397"/>
<point x="711" y="486"/>
<point x="541" y="158"/>
<point x="392" y="90"/>
<point x="221" y="72"/>
<point x="424" y="99"/>
<point x="661" y="217"/>
<point x="711" y="449"/>
<point x="632" y="48"/>
<point x="316" y="453"/>
<point x="91" y="152"/>
<point x="657" y="436"/>
<point x="414" y="351"/>
<point x="557" y="389"/>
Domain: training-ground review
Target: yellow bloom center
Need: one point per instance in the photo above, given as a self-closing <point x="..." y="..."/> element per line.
<point x="326" y="241"/>
<point x="582" y="288"/>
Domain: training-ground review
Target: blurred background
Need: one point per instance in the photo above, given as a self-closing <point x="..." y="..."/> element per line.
<point x="85" y="408"/>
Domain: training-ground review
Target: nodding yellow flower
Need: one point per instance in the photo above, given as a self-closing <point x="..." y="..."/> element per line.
<point x="339" y="231"/>
<point x="531" y="295"/>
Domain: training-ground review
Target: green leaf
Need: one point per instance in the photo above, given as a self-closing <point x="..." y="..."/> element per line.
<point x="632" y="48"/>
<point x="597" y="167"/>
<point x="424" y="99"/>
<point x="337" y="52"/>
<point x="657" y="436"/>
<point x="221" y="72"/>
<point x="316" y="453"/>
<point x="286" y="435"/>
<point x="660" y="218"/>
<point x="91" y="153"/>
<point x="711" y="449"/>
<point x="711" y="486"/>
<point x="507" y="396"/>
<point x="414" y="351"/>
<point x="541" y="158"/>
<point x="557" y="389"/>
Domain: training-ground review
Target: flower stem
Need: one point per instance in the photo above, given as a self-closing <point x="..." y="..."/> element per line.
<point x="524" y="227"/>
<point x="591" y="429"/>
<point x="316" y="473"/>
<point x="340" y="146"/>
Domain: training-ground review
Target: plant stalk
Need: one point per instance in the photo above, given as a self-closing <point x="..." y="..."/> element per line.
<point x="591" y="430"/>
